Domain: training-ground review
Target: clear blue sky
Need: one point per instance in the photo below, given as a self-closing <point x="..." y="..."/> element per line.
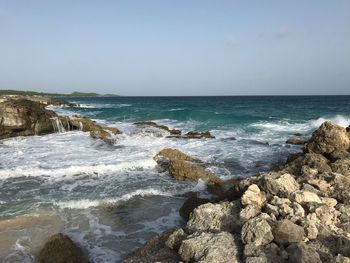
<point x="181" y="47"/>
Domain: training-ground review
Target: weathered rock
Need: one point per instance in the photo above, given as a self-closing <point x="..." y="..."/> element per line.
<point x="199" y="135"/>
<point x="209" y="248"/>
<point x="302" y="197"/>
<point x="180" y="167"/>
<point x="341" y="259"/>
<point x="249" y="212"/>
<point x="264" y="254"/>
<point x="155" y="125"/>
<point x="214" y="218"/>
<point x="253" y="196"/>
<point x="175" y="239"/>
<point x="302" y="253"/>
<point x="154" y="250"/>
<point x="341" y="186"/>
<point x="342" y="166"/>
<point x="192" y="202"/>
<point x="312" y="160"/>
<point x="296" y="141"/>
<point x="61" y="249"/>
<point x="23" y="118"/>
<point x="257" y="231"/>
<point x="281" y="184"/>
<point x="327" y="215"/>
<point x="286" y="232"/>
<point x="328" y="138"/>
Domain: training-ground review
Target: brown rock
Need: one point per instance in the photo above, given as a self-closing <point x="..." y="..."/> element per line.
<point x="302" y="253"/>
<point x="296" y="141"/>
<point x="287" y="232"/>
<point x="61" y="249"/>
<point x="155" y="125"/>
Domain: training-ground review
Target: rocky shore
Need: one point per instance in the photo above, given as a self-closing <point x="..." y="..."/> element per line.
<point x="299" y="213"/>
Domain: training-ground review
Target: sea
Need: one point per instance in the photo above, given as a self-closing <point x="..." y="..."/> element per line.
<point x="110" y="198"/>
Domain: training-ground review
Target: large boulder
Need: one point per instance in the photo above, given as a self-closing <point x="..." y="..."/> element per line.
<point x="214" y="218"/>
<point x="257" y="231"/>
<point x="302" y="253"/>
<point x="61" y="249"/>
<point x="210" y="247"/>
<point x="328" y="138"/>
<point x="280" y="184"/>
<point x="23" y="118"/>
<point x="287" y="232"/>
<point x="192" y="202"/>
<point x="182" y="167"/>
<point x="253" y="196"/>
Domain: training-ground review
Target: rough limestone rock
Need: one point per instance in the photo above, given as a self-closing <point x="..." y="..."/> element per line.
<point x="302" y="253"/>
<point x="328" y="138"/>
<point x="286" y="232"/>
<point x="253" y="196"/>
<point x="342" y="166"/>
<point x="264" y="254"/>
<point x="61" y="249"/>
<point x="341" y="186"/>
<point x="193" y="135"/>
<point x="249" y="212"/>
<point x="181" y="167"/>
<point x="302" y="197"/>
<point x="154" y="250"/>
<point x="210" y="248"/>
<point x="257" y="231"/>
<point x="314" y="161"/>
<point x="158" y="126"/>
<point x="175" y="239"/>
<point x="282" y="184"/>
<point x="23" y="118"/>
<point x="214" y="218"/>
<point x="296" y="141"/>
<point x="192" y="202"/>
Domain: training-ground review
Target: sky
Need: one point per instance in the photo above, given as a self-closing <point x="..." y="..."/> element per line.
<point x="176" y="48"/>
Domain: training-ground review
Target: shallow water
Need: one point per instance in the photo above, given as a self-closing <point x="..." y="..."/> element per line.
<point x="110" y="198"/>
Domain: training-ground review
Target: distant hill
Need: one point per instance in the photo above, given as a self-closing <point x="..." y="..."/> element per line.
<point x="73" y="94"/>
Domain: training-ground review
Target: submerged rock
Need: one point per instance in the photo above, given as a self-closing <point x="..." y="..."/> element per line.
<point x="61" y="249"/>
<point x="159" y="126"/>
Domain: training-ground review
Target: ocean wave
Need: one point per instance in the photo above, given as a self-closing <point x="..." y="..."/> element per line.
<point x="99" y="169"/>
<point x="87" y="203"/>
<point x="341" y="120"/>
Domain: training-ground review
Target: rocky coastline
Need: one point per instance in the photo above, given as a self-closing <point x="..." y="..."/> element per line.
<point x="298" y="213"/>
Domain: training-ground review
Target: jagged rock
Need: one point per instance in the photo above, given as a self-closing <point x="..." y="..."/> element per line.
<point x="264" y="254"/>
<point x="286" y="232"/>
<point x="302" y="197"/>
<point x="257" y="231"/>
<point x="296" y="141"/>
<point x="199" y="135"/>
<point x="331" y="202"/>
<point x="155" y="125"/>
<point x="302" y="253"/>
<point x="154" y="250"/>
<point x="341" y="186"/>
<point x="175" y="239"/>
<point x="281" y="184"/>
<point x="328" y="138"/>
<point x="341" y="259"/>
<point x="61" y="249"/>
<point x="312" y="160"/>
<point x="327" y="215"/>
<point x="342" y="166"/>
<point x="214" y="218"/>
<point x="249" y="212"/>
<point x="192" y="202"/>
<point x="180" y="167"/>
<point x="253" y="196"/>
<point x="210" y="247"/>
<point x="23" y="118"/>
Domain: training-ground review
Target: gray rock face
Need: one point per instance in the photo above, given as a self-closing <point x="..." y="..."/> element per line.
<point x="190" y="204"/>
<point x="210" y="248"/>
<point x="277" y="183"/>
<point x="287" y="232"/>
<point x="301" y="253"/>
<point x="61" y="249"/>
<point x="23" y="118"/>
<point x="214" y="218"/>
<point x="257" y="231"/>
<point x="253" y="196"/>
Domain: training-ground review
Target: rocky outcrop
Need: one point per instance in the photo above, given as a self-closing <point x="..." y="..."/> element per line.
<point x="183" y="167"/>
<point x="23" y="118"/>
<point x="299" y="213"/>
<point x="61" y="249"/>
<point x="158" y="126"/>
<point x="192" y="202"/>
<point x="296" y="141"/>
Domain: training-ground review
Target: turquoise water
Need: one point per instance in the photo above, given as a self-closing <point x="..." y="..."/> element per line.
<point x="110" y="198"/>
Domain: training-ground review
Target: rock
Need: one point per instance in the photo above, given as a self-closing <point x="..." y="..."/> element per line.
<point x="155" y="125"/>
<point x="338" y="155"/>
<point x="312" y="160"/>
<point x="181" y="167"/>
<point x="341" y="259"/>
<point x="214" y="218"/>
<point x="280" y="184"/>
<point x="61" y="249"/>
<point x="327" y="215"/>
<point x="302" y="253"/>
<point x="23" y="118"/>
<point x="190" y="204"/>
<point x="199" y="135"/>
<point x="287" y="232"/>
<point x="253" y="196"/>
<point x="296" y="141"/>
<point x="175" y="239"/>
<point x="302" y="197"/>
<point x="209" y="248"/>
<point x="266" y="254"/>
<point x="154" y="250"/>
<point x="341" y="186"/>
<point x="328" y="138"/>
<point x="249" y="212"/>
<point x="257" y="231"/>
<point x="342" y="166"/>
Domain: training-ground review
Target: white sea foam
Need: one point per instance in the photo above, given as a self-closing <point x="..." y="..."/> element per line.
<point x="341" y="120"/>
<point x="87" y="203"/>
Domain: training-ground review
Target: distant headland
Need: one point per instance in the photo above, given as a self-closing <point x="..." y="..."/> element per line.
<point x="73" y="94"/>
